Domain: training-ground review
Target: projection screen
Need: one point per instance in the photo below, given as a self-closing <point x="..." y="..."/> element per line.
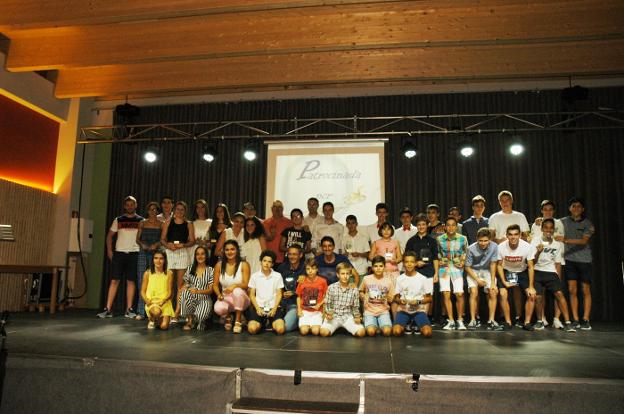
<point x="348" y="173"/>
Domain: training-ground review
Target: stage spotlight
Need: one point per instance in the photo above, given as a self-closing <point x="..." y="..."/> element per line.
<point x="209" y="152"/>
<point x="251" y="151"/>
<point x="150" y="155"/>
<point x="467" y="150"/>
<point x="516" y="149"/>
<point x="409" y="149"/>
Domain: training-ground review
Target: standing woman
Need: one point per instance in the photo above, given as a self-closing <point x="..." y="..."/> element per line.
<point x="156" y="291"/>
<point x="235" y="232"/>
<point x="148" y="239"/>
<point x="201" y="224"/>
<point x="178" y="234"/>
<point x="220" y="222"/>
<point x="231" y="277"/>
<point x="255" y="243"/>
<point x="195" y="300"/>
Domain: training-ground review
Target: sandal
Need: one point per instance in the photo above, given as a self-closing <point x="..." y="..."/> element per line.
<point x="189" y="324"/>
<point x="238" y="328"/>
<point x="228" y="323"/>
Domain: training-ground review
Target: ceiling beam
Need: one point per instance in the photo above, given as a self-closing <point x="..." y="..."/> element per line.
<point x="29" y="14"/>
<point x="352" y="27"/>
<point x="326" y="68"/>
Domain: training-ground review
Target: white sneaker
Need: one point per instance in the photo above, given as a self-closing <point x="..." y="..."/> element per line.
<point x="460" y="325"/>
<point x="557" y="324"/>
<point x="151" y="325"/>
<point x="545" y="322"/>
<point x="450" y="326"/>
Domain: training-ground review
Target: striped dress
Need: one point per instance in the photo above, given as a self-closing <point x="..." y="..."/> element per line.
<point x="198" y="305"/>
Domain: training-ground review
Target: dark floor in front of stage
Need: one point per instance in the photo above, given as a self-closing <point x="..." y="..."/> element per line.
<point x="595" y="354"/>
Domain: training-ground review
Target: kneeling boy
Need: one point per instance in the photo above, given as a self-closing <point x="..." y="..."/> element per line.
<point x="342" y="305"/>
<point x="265" y="293"/>
<point x="412" y="294"/>
<point x="310" y="298"/>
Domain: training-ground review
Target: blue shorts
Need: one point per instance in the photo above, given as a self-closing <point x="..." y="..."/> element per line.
<point x="381" y="321"/>
<point x="420" y="318"/>
<point x="578" y="271"/>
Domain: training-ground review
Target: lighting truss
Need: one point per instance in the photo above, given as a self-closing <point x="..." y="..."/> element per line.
<point x="356" y="126"/>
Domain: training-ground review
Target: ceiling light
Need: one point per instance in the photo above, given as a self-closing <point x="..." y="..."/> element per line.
<point x="150" y="155"/>
<point x="409" y="149"/>
<point x="209" y="151"/>
<point x="516" y="149"/>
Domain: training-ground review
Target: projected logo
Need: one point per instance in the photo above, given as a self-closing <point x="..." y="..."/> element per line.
<point x="350" y="181"/>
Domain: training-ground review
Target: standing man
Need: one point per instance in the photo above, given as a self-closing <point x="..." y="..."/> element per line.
<point x="249" y="210"/>
<point x="356" y="246"/>
<point x="578" y="259"/>
<point x="515" y="271"/>
<point x="481" y="263"/>
<point x="372" y="230"/>
<point x="297" y="234"/>
<point x="124" y="257"/>
<point x="471" y="226"/>
<point x="313" y="216"/>
<point x="452" y="248"/>
<point x="500" y="221"/>
<point x="407" y="230"/>
<point x="327" y="227"/>
<point x="166" y="206"/>
<point x="273" y="229"/>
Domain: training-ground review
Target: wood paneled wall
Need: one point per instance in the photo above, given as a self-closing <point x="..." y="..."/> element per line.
<point x="30" y="212"/>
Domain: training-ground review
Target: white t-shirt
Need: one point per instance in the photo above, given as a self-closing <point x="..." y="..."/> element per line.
<point x="357" y="243"/>
<point x="500" y="221"/>
<point x="536" y="231"/>
<point x="266" y="287"/>
<point x="410" y="288"/>
<point x="311" y="222"/>
<point x="371" y="231"/>
<point x="201" y="228"/>
<point x="552" y="253"/>
<point x="126" y="229"/>
<point x="335" y="230"/>
<point x="515" y="260"/>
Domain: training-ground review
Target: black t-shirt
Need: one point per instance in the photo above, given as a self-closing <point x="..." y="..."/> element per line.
<point x="296" y="236"/>
<point x="426" y="249"/>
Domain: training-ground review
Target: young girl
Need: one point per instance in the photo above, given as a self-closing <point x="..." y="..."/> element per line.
<point x="310" y="298"/>
<point x="156" y="291"/>
<point x="195" y="300"/>
<point x="148" y="237"/>
<point x="377" y="292"/>
<point x="235" y="232"/>
<point x="220" y="221"/>
<point x="255" y="243"/>
<point x="177" y="234"/>
<point x="389" y="249"/>
<point x="231" y="277"/>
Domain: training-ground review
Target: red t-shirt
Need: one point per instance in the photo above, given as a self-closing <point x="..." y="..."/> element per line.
<point x="311" y="292"/>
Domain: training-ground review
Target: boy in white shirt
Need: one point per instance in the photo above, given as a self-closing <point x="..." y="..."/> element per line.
<point x="506" y="217"/>
<point x="355" y="245"/>
<point x="548" y="258"/>
<point x="515" y="271"/>
<point x="265" y="293"/>
<point x="412" y="293"/>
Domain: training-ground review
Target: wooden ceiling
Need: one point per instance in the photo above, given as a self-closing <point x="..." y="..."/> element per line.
<point x="112" y="48"/>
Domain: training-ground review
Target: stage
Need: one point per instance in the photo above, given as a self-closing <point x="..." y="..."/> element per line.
<point x="549" y="360"/>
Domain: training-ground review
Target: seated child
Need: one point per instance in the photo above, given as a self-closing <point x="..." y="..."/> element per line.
<point x="342" y="305"/>
<point x="156" y="291"/>
<point x="412" y="293"/>
<point x="310" y="298"/>
<point x="376" y="292"/>
<point x="265" y="294"/>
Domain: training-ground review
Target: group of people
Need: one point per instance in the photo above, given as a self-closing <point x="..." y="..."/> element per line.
<point x="311" y="273"/>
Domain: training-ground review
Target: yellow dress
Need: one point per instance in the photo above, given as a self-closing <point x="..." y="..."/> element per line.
<point x="156" y="290"/>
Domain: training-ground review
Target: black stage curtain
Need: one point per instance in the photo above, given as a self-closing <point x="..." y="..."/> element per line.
<point x="556" y="165"/>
